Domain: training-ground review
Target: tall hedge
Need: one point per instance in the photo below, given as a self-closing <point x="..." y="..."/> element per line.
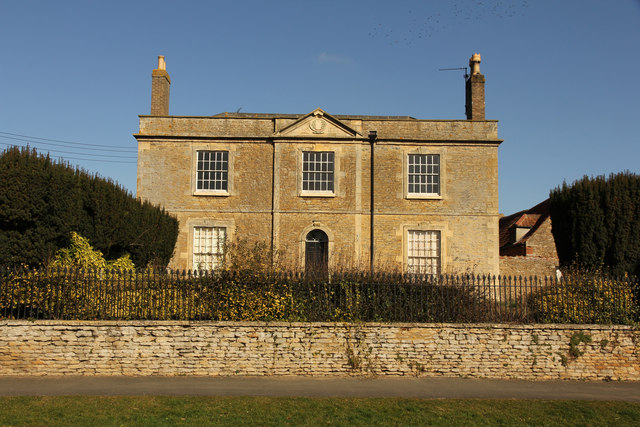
<point x="596" y="222"/>
<point x="43" y="201"/>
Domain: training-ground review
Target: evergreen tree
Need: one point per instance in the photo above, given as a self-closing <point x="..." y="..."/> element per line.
<point x="596" y="222"/>
<point x="42" y="202"/>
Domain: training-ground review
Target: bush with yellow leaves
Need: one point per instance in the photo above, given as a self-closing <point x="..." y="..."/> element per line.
<point x="587" y="297"/>
<point x="75" y="285"/>
<point x="80" y="254"/>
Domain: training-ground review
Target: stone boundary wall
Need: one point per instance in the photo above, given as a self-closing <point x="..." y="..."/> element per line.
<point x="541" y="352"/>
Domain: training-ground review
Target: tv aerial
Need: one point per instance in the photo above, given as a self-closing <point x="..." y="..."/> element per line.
<point x="466" y="70"/>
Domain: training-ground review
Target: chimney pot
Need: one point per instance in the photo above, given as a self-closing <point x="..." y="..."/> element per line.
<point x="474" y="63"/>
<point x="161" y="64"/>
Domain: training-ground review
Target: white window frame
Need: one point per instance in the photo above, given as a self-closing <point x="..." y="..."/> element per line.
<point x="208" y="244"/>
<point x="424" y="251"/>
<point x="422" y="174"/>
<point x="222" y="174"/>
<point x="314" y="168"/>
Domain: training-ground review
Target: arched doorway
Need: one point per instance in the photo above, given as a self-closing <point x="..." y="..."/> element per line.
<point x="316" y="259"/>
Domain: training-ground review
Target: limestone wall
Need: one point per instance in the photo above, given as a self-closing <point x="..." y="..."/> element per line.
<point x="319" y="349"/>
<point x="527" y="266"/>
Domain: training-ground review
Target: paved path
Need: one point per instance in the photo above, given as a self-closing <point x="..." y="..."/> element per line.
<point x="427" y="388"/>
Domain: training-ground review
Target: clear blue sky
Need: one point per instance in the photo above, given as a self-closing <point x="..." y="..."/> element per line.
<point x="563" y="77"/>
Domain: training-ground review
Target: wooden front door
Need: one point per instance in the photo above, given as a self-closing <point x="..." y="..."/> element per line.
<point x="316" y="259"/>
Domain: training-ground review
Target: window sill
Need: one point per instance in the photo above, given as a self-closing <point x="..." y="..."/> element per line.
<point x="317" y="194"/>
<point x="212" y="193"/>
<point x="424" y="196"/>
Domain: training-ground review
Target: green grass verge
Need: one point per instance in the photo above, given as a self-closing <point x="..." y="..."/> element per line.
<point x="164" y="410"/>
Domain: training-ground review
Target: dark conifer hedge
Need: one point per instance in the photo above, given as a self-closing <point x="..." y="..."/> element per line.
<point x="596" y="222"/>
<point x="42" y="202"/>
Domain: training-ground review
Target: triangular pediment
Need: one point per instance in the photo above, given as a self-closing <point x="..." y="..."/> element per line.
<point x="318" y="124"/>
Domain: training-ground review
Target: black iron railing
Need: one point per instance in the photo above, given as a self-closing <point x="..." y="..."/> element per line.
<point x="291" y="296"/>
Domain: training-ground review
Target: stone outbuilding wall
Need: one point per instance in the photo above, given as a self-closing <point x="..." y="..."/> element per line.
<point x="528" y="266"/>
<point x="534" y="253"/>
<point x="140" y="348"/>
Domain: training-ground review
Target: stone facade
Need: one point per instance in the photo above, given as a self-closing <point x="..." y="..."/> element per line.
<point x="264" y="199"/>
<point x="540" y="352"/>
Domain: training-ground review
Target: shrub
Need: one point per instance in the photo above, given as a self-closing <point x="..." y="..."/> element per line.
<point x="69" y="293"/>
<point x="242" y="255"/>
<point x="596" y="222"/>
<point x="42" y="202"/>
<point x="80" y="254"/>
<point x="250" y="296"/>
<point x="586" y="297"/>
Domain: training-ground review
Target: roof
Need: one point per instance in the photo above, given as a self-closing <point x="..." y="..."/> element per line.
<point x="531" y="218"/>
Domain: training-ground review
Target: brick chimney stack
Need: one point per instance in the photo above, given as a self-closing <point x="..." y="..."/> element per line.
<point x="475" y="90"/>
<point x="160" y="84"/>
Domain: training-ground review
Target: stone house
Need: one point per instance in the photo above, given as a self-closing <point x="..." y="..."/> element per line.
<point x="327" y="191"/>
<point x="527" y="246"/>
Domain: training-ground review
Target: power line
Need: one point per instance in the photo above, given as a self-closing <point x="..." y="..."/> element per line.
<point x="96" y="160"/>
<point x="62" y="141"/>
<point x="60" y="145"/>
<point x="82" y="154"/>
<point x="85" y="154"/>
